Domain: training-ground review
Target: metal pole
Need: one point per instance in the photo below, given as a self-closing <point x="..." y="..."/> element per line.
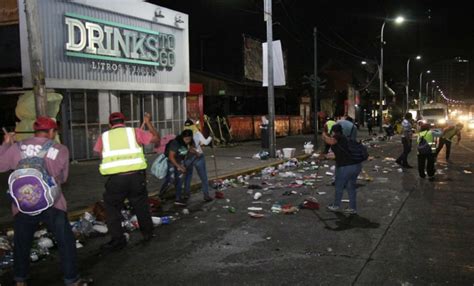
<point x="381" y="78"/>
<point x="271" y="95"/>
<point x="408" y="85"/>
<point x="426" y="93"/>
<point x="419" y="93"/>
<point x="316" y="127"/>
<point x="36" y="57"/>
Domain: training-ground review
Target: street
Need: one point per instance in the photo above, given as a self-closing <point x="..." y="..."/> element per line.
<point x="409" y="231"/>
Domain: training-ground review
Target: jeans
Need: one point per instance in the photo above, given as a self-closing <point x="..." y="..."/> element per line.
<point x="169" y="176"/>
<point x="132" y="187"/>
<point x="180" y="178"/>
<point x="403" y="159"/>
<point x="57" y="222"/>
<point x="443" y="142"/>
<point x="200" y="164"/>
<point x="346" y="177"/>
<point x="429" y="162"/>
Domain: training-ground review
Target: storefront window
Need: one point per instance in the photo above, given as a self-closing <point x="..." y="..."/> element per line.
<point x="84" y="116"/>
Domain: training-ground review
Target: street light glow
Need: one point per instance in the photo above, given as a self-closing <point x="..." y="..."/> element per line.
<point x="418" y="57"/>
<point x="363" y="62"/>
<point x="399" y="20"/>
<point x="433" y="81"/>
<point x="428" y="71"/>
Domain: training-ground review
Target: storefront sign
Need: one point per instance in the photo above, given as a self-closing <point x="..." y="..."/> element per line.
<point x="93" y="38"/>
<point x="109" y="45"/>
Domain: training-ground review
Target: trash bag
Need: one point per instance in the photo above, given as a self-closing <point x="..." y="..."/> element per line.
<point x="159" y="168"/>
<point x="26" y="112"/>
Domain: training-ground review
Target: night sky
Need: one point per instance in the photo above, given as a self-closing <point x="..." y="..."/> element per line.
<point x="348" y="30"/>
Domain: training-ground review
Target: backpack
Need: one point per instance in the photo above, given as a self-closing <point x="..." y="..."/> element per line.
<point x="356" y="150"/>
<point x="423" y="147"/>
<point x="31" y="187"/>
<point x="159" y="168"/>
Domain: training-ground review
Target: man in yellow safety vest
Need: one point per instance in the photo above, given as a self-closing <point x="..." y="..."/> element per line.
<point x="124" y="163"/>
<point x="426" y="152"/>
<point x="327" y="129"/>
<point x="447" y="137"/>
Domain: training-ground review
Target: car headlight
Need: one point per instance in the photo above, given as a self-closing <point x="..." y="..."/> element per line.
<point x="441" y="121"/>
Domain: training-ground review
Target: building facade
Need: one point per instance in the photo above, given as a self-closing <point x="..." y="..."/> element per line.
<point x="107" y="56"/>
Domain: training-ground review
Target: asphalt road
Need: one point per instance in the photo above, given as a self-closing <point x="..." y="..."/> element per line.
<point x="409" y="231"/>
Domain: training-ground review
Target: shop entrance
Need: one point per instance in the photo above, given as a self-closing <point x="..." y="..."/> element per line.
<point x="85" y="114"/>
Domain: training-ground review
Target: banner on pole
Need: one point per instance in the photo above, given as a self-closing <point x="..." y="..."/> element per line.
<point x="278" y="66"/>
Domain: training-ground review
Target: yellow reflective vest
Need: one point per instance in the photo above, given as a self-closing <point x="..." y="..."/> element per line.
<point x="120" y="152"/>
<point x="330" y="124"/>
<point x="428" y="135"/>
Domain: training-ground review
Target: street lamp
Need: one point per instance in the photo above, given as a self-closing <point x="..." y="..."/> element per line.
<point x="408" y="79"/>
<point x="398" y="20"/>
<point x="419" y="93"/>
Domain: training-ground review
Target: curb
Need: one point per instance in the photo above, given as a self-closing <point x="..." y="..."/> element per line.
<point x="74" y="215"/>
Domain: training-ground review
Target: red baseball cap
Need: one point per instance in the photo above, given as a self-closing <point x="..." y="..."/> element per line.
<point x="116" y="116"/>
<point x="44" y="123"/>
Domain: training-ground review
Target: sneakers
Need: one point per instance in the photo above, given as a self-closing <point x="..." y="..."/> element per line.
<point x="180" y="203"/>
<point x="407" y="166"/>
<point x="350" y="211"/>
<point x="333" y="208"/>
<point x="208" y="199"/>
<point x="432" y="179"/>
<point x="114" y="245"/>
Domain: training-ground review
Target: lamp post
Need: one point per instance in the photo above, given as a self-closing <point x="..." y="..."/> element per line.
<point x="398" y="20"/>
<point x="419" y="93"/>
<point x="408" y="82"/>
<point x="433" y="82"/>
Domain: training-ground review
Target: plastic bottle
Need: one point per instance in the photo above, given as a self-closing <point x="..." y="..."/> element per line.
<point x="166" y="219"/>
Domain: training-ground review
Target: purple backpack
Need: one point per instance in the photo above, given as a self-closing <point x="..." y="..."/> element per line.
<point x="32" y="189"/>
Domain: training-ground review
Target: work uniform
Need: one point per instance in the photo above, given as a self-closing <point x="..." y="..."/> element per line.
<point x="427" y="161"/>
<point x="447" y="138"/>
<point x="125" y="165"/>
<point x="329" y="124"/>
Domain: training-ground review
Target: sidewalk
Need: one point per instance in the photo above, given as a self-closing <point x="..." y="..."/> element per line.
<point x="85" y="185"/>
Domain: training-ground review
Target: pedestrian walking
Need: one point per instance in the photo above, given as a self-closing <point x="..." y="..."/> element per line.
<point x="407" y="134"/>
<point x="198" y="160"/>
<point x="347" y="170"/>
<point x="51" y="161"/>
<point x="369" y="125"/>
<point x="124" y="164"/>
<point x="328" y="129"/>
<point x="426" y="152"/>
<point x="178" y="151"/>
<point x="447" y="138"/>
